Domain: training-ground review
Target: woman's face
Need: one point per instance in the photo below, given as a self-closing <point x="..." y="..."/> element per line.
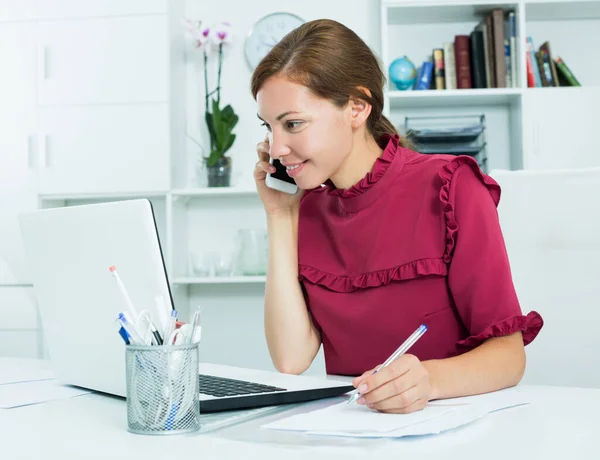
<point x="309" y="135"/>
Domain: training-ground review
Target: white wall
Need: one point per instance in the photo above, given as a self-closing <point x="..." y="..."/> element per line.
<point x="233" y="316"/>
<point x="360" y="15"/>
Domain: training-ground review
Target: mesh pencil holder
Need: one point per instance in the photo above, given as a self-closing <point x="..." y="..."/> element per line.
<point x="162" y="389"/>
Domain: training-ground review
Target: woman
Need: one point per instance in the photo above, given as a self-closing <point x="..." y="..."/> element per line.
<point x="379" y="239"/>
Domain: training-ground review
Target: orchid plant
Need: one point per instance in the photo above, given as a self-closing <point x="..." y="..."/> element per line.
<point x="219" y="121"/>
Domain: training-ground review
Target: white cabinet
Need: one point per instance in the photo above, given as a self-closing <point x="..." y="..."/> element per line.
<point x="17" y="91"/>
<point x="559" y="126"/>
<point x="17" y="143"/>
<point x="103" y="60"/>
<point x="60" y="9"/>
<point x="16" y="10"/>
<point x="96" y="149"/>
<point x="92" y="103"/>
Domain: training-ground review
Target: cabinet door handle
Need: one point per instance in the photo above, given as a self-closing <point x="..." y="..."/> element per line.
<point x="29" y="152"/>
<point x="44" y="151"/>
<point x="43" y="62"/>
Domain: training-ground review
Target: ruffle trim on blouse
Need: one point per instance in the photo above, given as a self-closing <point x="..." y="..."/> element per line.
<point x="446" y="173"/>
<point x="411" y="270"/>
<point x="529" y="325"/>
<point x="380" y="167"/>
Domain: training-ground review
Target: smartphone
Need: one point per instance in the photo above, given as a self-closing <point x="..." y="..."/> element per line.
<point x="279" y="180"/>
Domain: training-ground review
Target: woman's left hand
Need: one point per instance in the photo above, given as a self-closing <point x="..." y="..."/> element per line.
<point x="400" y="388"/>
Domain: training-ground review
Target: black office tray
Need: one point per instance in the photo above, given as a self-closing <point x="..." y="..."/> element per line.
<point x="470" y="150"/>
<point x="458" y="134"/>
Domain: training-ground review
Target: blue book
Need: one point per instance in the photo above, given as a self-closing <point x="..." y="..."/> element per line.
<point x="426" y="76"/>
<point x="418" y="79"/>
<point x="534" y="64"/>
<point x="509" y="83"/>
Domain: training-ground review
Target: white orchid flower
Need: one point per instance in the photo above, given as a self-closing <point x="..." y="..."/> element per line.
<point x="198" y="31"/>
<point x="221" y="34"/>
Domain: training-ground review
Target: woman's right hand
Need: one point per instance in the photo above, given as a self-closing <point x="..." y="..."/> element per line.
<point x="273" y="200"/>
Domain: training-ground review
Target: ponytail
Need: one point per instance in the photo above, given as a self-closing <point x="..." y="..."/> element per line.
<point x="384" y="126"/>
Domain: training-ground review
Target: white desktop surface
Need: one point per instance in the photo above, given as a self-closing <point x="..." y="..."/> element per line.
<point x="560" y="423"/>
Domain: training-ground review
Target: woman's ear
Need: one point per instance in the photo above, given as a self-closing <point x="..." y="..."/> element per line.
<point x="360" y="109"/>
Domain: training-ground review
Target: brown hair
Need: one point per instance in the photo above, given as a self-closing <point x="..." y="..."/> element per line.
<point x="334" y="63"/>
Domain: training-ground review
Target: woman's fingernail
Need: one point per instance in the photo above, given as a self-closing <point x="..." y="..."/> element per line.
<point x="361" y="401"/>
<point x="371" y="406"/>
<point x="362" y="388"/>
<point x="272" y="169"/>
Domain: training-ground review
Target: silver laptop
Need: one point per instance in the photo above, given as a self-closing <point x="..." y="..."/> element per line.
<point x="69" y="252"/>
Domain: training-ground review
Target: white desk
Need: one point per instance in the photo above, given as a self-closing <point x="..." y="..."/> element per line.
<point x="561" y="423"/>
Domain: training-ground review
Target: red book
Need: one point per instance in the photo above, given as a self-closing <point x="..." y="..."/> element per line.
<point x="530" y="75"/>
<point x="462" y="55"/>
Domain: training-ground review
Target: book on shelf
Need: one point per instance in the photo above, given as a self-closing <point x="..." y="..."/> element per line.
<point x="499" y="52"/>
<point x="462" y="54"/>
<point x="450" y="65"/>
<point x="564" y="70"/>
<point x="511" y="37"/>
<point x="425" y="76"/>
<point x="549" y="63"/>
<point x="543" y="70"/>
<point x="508" y="63"/>
<point x="478" y="76"/>
<point x="486" y="28"/>
<point x="438" y="66"/>
<point x="533" y="70"/>
<point x="486" y="57"/>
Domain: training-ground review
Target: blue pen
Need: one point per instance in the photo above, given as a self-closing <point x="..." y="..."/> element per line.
<point x="130" y="329"/>
<point x="400" y="351"/>
<point x="122" y="332"/>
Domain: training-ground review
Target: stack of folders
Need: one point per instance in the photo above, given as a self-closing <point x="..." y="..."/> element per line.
<point x="138" y="328"/>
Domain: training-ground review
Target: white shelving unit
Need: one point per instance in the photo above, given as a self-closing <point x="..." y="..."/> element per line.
<point x="207" y="220"/>
<point x="398" y="100"/>
<point x="522" y="123"/>
<point x="212" y="192"/>
<point x="108" y="196"/>
<point x="180" y="200"/>
<point x="220" y="280"/>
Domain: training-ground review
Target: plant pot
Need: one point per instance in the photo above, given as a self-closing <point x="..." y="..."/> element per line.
<point x="219" y="175"/>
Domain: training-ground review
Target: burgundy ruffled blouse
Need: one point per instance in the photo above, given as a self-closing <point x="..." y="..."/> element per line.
<point x="416" y="241"/>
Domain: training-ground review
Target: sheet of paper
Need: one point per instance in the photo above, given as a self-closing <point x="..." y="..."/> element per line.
<point x="26" y="393"/>
<point x="445" y="422"/>
<point x="438" y="416"/>
<point x="355" y="418"/>
<point x="491" y="401"/>
<point x="13" y="370"/>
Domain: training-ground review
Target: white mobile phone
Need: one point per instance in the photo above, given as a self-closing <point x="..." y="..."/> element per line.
<point x="279" y="180"/>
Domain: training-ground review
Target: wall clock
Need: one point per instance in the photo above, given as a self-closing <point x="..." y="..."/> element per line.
<point x="266" y="33"/>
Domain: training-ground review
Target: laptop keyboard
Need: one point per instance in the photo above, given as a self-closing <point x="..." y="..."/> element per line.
<point x="220" y="386"/>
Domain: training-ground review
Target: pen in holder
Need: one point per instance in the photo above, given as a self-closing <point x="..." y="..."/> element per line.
<point x="162" y="389"/>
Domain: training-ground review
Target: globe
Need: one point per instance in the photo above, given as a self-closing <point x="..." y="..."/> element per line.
<point x="403" y="73"/>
